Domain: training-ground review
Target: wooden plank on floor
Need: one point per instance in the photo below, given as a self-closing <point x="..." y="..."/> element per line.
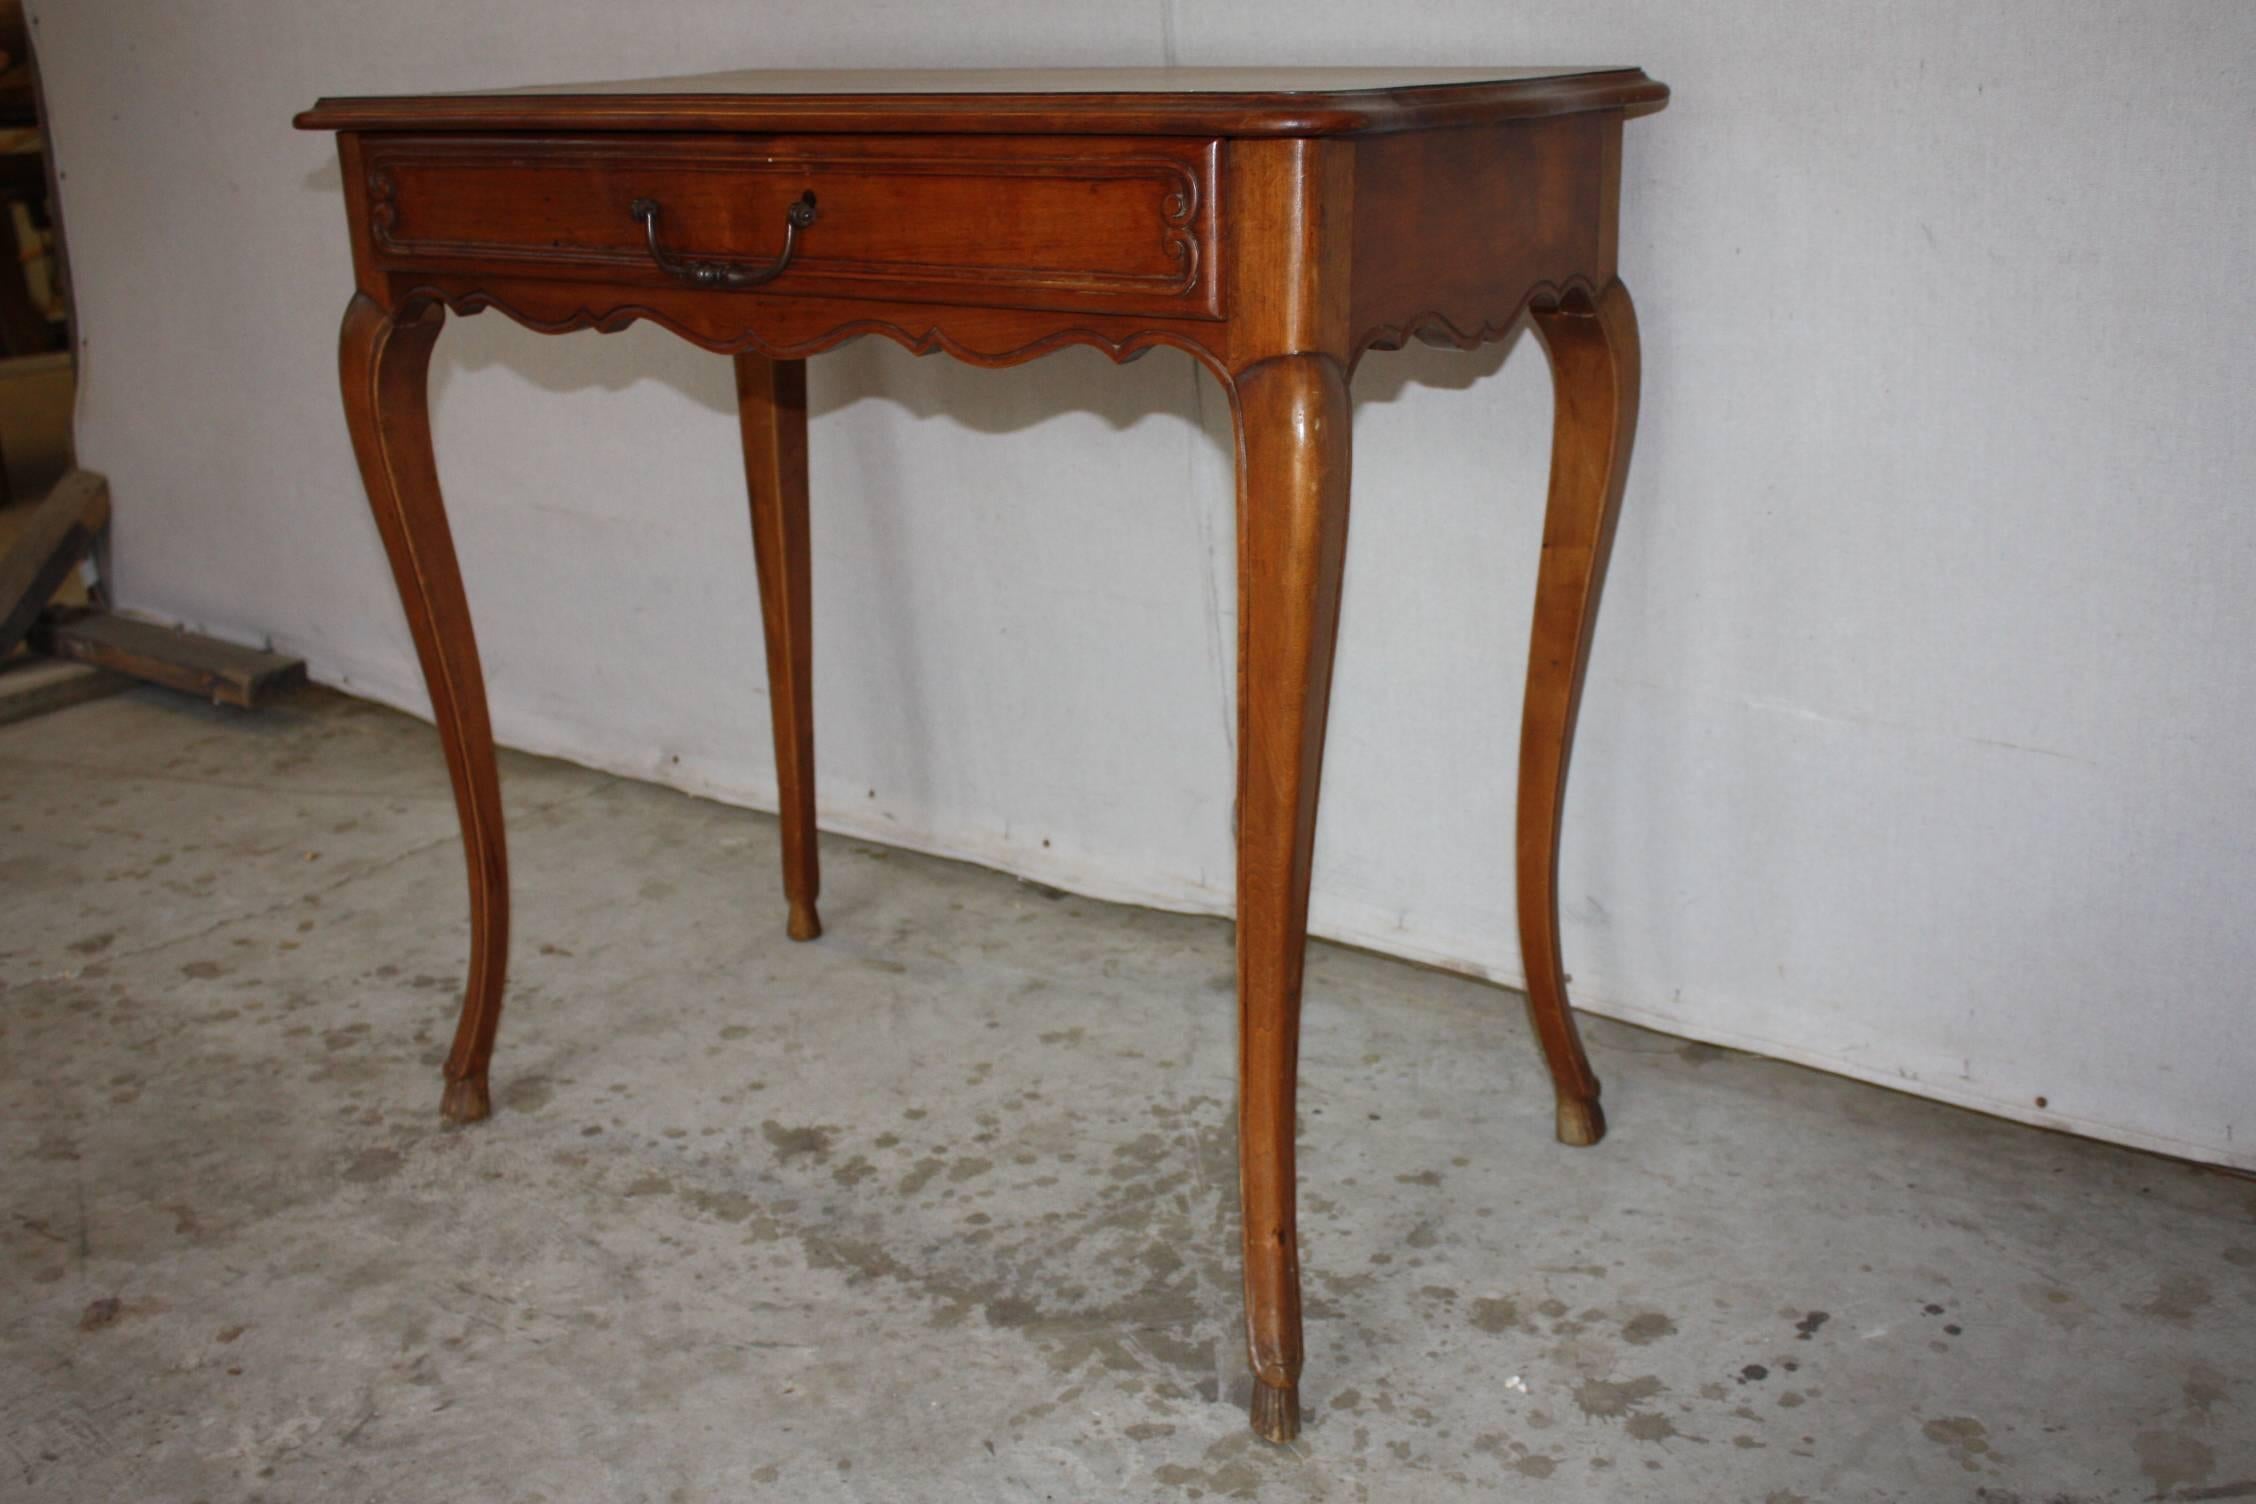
<point x="219" y="671"/>
<point x="59" y="533"/>
<point x="33" y="686"/>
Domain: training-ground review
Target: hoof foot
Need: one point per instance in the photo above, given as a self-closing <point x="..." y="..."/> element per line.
<point x="1581" y="1123"/>
<point x="1275" y="1412"/>
<point x="466" y="1102"/>
<point x="805" y="924"/>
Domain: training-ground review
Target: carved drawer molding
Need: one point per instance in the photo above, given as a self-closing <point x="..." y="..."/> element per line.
<point x="1117" y="226"/>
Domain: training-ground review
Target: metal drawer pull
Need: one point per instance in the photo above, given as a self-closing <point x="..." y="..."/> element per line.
<point x="725" y="273"/>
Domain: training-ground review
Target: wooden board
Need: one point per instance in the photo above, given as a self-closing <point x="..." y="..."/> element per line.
<point x="34" y="686"/>
<point x="220" y="671"/>
<point x="59" y="534"/>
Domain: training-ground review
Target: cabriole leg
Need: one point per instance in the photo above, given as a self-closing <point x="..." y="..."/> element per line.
<point x="1593" y="349"/>
<point x="1292" y="417"/>
<point x="771" y="405"/>
<point x="385" y="360"/>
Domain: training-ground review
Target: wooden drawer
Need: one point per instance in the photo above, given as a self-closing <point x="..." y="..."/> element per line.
<point x="1107" y="224"/>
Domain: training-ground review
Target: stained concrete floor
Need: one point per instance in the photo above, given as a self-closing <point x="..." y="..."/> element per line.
<point x="941" y="1207"/>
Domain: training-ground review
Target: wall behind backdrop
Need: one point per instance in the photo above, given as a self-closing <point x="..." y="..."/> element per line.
<point x="1916" y="741"/>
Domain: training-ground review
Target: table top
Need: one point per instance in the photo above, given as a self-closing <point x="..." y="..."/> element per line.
<point x="1162" y="101"/>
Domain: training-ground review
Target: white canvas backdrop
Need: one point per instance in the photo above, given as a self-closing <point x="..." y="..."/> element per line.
<point x="1915" y="743"/>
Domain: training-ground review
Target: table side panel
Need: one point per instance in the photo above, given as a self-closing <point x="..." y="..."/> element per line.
<point x="1455" y="231"/>
<point x="1096" y="224"/>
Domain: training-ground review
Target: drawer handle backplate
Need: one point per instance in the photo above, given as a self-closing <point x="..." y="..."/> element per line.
<point x="702" y="273"/>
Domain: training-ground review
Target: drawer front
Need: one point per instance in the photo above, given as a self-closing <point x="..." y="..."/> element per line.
<point x="1107" y="224"/>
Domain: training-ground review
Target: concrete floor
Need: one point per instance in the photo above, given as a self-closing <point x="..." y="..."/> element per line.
<point x="942" y="1206"/>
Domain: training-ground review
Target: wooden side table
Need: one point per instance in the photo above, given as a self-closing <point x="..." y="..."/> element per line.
<point x="1275" y="223"/>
